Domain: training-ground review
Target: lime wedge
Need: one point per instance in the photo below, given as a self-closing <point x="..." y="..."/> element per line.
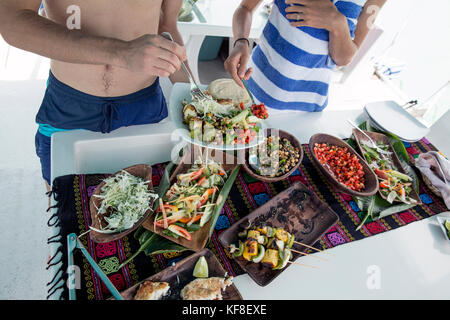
<point x="447" y="225"/>
<point x="201" y="268"/>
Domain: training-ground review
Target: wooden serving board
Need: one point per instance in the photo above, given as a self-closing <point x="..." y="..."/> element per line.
<point x="299" y="211"/>
<point x="201" y="236"/>
<point x="179" y="275"/>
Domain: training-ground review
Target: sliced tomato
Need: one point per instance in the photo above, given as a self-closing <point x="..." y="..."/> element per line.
<point x="201" y="181"/>
<point x="160" y="223"/>
<point x="182" y="232"/>
<point x="381" y="174"/>
<point x="196" y="174"/>
<point x="205" y="196"/>
<point x="167" y="207"/>
<point x="194" y="219"/>
<point x="383" y="184"/>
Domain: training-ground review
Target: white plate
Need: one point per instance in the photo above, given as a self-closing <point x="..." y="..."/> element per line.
<point x="377" y="126"/>
<point x="391" y="117"/>
<point x="441" y="221"/>
<point x="182" y="91"/>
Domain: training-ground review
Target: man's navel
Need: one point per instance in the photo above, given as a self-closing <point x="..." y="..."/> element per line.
<point x="107" y="77"/>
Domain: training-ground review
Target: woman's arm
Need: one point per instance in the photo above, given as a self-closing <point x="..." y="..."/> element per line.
<point x="323" y="14"/>
<point x="236" y="64"/>
<point x="22" y="27"/>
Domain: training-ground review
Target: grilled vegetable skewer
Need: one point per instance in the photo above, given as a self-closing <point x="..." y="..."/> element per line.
<point x="266" y="245"/>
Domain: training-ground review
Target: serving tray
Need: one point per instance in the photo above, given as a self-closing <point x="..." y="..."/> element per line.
<point x="299" y="211"/>
<point x="201" y="236"/>
<point x="180" y="275"/>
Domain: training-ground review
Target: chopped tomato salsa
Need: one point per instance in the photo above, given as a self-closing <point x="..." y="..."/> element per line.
<point x="343" y="165"/>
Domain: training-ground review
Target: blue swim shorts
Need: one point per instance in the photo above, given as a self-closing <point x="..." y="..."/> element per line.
<point x="65" y="108"/>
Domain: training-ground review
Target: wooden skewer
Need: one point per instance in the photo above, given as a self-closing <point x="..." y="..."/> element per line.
<point x="302" y="265"/>
<point x="307" y="254"/>
<point x="305" y="245"/>
<point x="164" y="213"/>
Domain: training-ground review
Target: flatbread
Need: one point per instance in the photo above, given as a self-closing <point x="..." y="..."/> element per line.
<point x="228" y="89"/>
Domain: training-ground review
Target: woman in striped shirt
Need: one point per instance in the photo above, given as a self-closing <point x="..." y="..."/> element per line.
<point x="302" y="42"/>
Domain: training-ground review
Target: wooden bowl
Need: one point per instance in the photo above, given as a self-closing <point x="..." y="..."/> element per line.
<point x="180" y="275"/>
<point x="283" y="134"/>
<point x="371" y="180"/>
<point x="361" y="139"/>
<point x="299" y="211"/>
<point x="201" y="236"/>
<point x="143" y="171"/>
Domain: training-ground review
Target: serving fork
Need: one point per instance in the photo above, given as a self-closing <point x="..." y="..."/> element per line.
<point x="374" y="145"/>
<point x="196" y="92"/>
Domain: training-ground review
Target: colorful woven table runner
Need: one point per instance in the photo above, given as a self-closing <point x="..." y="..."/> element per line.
<point x="72" y="193"/>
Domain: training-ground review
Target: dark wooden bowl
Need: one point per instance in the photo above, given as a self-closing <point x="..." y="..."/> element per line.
<point x="371" y="180"/>
<point x="143" y="171"/>
<point x="297" y="210"/>
<point x="179" y="275"/>
<point x="361" y="139"/>
<point x="201" y="236"/>
<point x="283" y="134"/>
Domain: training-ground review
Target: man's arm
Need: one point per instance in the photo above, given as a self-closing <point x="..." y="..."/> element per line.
<point x="323" y="14"/>
<point x="236" y="64"/>
<point x="169" y="23"/>
<point x="22" y="27"/>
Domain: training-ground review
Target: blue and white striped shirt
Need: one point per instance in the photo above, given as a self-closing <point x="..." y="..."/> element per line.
<point x="292" y="67"/>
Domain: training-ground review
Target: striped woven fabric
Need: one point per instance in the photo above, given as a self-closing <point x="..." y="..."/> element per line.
<point x="292" y="67"/>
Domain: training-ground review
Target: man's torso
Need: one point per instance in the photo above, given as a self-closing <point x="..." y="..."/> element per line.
<point x="124" y="20"/>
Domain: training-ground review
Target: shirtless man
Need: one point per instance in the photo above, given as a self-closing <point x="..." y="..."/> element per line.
<point x="104" y="75"/>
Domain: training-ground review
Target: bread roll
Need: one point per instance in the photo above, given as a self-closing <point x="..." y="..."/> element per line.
<point x="228" y="89"/>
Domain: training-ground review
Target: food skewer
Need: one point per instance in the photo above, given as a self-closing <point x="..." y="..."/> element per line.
<point x="303" y="265"/>
<point x="310" y="247"/>
<point x="307" y="254"/>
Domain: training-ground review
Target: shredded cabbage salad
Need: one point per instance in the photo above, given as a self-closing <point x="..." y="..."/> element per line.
<point x="125" y="198"/>
<point x="209" y="105"/>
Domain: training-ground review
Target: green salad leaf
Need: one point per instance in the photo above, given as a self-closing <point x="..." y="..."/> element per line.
<point x="222" y="197"/>
<point x="375" y="207"/>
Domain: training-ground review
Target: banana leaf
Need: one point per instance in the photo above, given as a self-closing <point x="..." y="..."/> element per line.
<point x="375" y="207"/>
<point x="164" y="184"/>
<point x="160" y="244"/>
<point x="151" y="244"/>
<point x="223" y="195"/>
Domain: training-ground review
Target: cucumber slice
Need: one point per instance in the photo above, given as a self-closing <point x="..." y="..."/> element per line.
<point x="291" y="241"/>
<point x="401" y="176"/>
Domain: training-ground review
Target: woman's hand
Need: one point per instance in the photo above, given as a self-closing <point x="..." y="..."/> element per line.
<point x="321" y="14"/>
<point x="236" y="63"/>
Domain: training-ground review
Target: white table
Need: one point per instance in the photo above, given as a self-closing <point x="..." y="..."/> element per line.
<point x="413" y="262"/>
<point x="218" y="15"/>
